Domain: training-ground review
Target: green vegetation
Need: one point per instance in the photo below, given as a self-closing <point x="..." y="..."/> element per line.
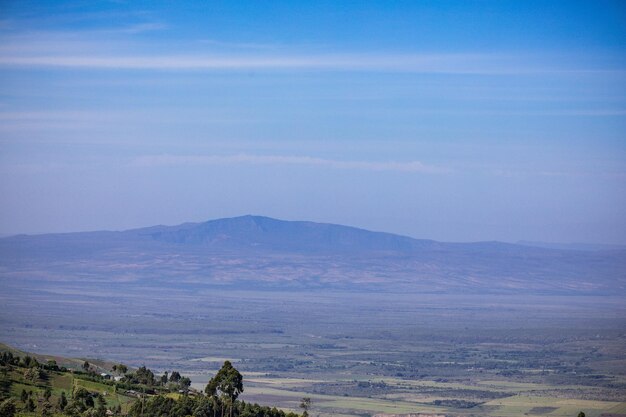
<point x="352" y="354"/>
<point x="28" y="387"/>
<point x="33" y="388"/>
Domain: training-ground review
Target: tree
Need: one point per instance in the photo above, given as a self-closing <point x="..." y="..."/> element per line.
<point x="144" y="376"/>
<point x="7" y="408"/>
<point x="86" y="366"/>
<point x="175" y="377"/>
<point x="227" y="383"/>
<point x="155" y="406"/>
<point x="7" y="358"/>
<point x="102" y="406"/>
<point x="46" y="409"/>
<point x="27" y="361"/>
<point x="82" y="399"/>
<point x="215" y="402"/>
<point x="121" y="368"/>
<point x="184" y="382"/>
<point x="202" y="407"/>
<point x="62" y="401"/>
<point x="305" y="404"/>
<point x="581" y="414"/>
<point x="47" y="393"/>
<point x="33" y="374"/>
<point x="52" y="365"/>
<point x="30" y="405"/>
<point x="24" y="396"/>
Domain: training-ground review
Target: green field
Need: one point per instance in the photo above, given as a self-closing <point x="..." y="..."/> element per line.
<point x="58" y="383"/>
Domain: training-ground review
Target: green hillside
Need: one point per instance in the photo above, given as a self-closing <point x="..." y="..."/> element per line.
<point x="69" y="363"/>
<point x="43" y="385"/>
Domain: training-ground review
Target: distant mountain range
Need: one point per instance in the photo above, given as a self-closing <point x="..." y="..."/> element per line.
<point x="572" y="246"/>
<point x="261" y="252"/>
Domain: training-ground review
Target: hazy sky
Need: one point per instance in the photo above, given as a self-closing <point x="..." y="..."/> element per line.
<point x="458" y="121"/>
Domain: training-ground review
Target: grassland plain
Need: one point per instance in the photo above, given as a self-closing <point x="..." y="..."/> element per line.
<point x="521" y="400"/>
<point x="352" y="353"/>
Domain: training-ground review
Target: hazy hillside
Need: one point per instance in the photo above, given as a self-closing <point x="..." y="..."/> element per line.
<point x="266" y="234"/>
<point x="264" y="252"/>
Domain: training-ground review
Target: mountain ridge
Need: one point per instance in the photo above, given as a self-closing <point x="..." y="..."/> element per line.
<point x="187" y="233"/>
<point x="281" y="234"/>
<point x="256" y="251"/>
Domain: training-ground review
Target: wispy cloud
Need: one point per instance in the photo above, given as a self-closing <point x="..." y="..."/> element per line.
<point x="165" y="160"/>
<point x="58" y="115"/>
<point x="409" y="63"/>
<point x="521" y="173"/>
<point x="97" y="50"/>
<point x="240" y="45"/>
<point x="116" y="48"/>
<point x="140" y="28"/>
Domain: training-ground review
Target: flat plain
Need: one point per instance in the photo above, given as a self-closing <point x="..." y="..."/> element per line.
<point x="352" y="353"/>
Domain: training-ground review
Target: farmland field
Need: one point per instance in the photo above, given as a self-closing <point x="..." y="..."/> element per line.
<point x="351" y="353"/>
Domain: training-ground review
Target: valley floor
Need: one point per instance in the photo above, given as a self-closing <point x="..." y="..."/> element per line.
<point x="351" y="353"/>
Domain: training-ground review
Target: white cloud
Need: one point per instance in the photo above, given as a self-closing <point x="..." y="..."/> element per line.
<point x="409" y="63"/>
<point x="409" y="166"/>
<point x="93" y="50"/>
<point x="468" y="64"/>
<point x="118" y="48"/>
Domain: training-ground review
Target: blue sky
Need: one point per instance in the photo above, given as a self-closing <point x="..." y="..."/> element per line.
<point x="458" y="121"/>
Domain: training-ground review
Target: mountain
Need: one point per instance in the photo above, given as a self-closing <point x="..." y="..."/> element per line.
<point x="267" y="234"/>
<point x="261" y="252"/>
<point x="573" y="246"/>
<point x="247" y="233"/>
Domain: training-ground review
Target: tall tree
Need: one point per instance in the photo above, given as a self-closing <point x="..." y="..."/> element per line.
<point x="305" y="404"/>
<point x="102" y="406"/>
<point x="47" y="394"/>
<point x="215" y="402"/>
<point x="30" y="405"/>
<point x="227" y="383"/>
<point x="62" y="401"/>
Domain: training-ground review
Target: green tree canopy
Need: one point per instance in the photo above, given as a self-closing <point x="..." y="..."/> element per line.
<point x="7" y="408"/>
<point x="305" y="404"/>
<point x="175" y="377"/>
<point x="121" y="368"/>
<point x="62" y="401"/>
<point x="227" y="383"/>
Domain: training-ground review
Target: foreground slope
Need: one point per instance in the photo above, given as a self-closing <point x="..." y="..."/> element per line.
<point x="29" y="387"/>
